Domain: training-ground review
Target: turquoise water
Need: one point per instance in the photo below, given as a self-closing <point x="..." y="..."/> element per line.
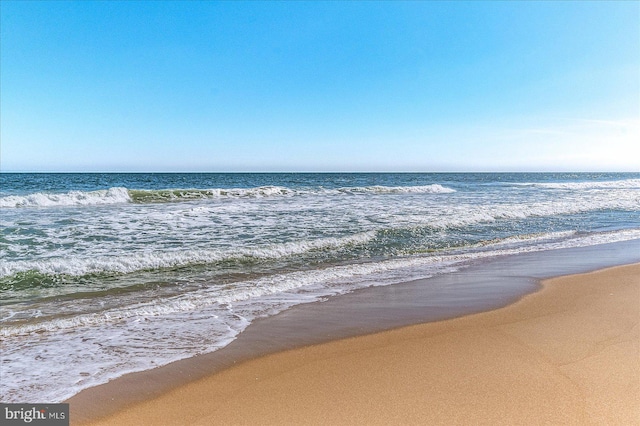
<point x="104" y="274"/>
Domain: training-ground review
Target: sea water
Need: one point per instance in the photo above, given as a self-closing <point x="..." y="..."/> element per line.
<point x="105" y="274"/>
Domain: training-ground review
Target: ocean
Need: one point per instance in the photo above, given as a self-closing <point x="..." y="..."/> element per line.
<point x="106" y="274"/>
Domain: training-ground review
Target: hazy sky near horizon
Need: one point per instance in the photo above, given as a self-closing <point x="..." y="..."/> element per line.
<point x="319" y="86"/>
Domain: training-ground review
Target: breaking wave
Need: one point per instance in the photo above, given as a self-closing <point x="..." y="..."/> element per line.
<point x="120" y="195"/>
<point x="71" y="198"/>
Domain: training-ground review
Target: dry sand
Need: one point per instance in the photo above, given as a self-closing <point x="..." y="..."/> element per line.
<point x="568" y="354"/>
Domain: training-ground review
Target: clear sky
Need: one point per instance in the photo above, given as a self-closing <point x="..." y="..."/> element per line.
<point x="320" y="86"/>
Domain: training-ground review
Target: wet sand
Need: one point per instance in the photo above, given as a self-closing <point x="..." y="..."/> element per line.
<point x="568" y="354"/>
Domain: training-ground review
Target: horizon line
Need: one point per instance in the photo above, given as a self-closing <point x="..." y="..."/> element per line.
<point x="309" y="172"/>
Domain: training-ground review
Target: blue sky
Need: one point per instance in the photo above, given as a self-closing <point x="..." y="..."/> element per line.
<point x="320" y="86"/>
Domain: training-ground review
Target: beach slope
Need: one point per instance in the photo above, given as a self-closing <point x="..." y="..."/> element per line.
<point x="568" y="354"/>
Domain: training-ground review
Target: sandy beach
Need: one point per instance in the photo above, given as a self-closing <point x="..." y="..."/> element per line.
<point x="568" y="354"/>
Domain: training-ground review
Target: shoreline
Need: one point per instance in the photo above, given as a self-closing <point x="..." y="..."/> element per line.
<point x="567" y="354"/>
<point x="137" y="388"/>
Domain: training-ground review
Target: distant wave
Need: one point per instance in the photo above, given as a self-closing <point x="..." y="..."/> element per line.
<point x="168" y="195"/>
<point x="425" y="189"/>
<point x="614" y="184"/>
<point x="121" y="195"/>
